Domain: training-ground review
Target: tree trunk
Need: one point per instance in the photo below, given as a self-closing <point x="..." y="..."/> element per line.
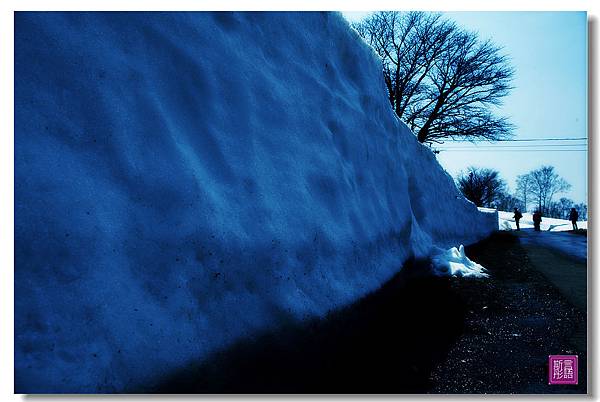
<point x="424" y="131"/>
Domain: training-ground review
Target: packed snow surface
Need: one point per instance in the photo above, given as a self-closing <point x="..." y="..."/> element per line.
<point x="454" y="262"/>
<point x="186" y="180"/>
<point x="506" y="221"/>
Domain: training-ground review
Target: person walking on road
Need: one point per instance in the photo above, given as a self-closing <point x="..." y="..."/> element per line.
<point x="518" y="216"/>
<point x="537" y="220"/>
<point x="573" y="216"/>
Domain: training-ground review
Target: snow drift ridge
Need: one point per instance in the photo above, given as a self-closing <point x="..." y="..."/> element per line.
<point x="183" y="180"/>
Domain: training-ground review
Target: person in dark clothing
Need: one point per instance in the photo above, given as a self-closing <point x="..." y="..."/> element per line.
<point x="518" y="216"/>
<point x="537" y="220"/>
<point x="573" y="216"/>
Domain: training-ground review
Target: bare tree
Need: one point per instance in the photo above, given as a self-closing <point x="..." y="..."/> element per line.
<point x="524" y="189"/>
<point x="544" y="184"/>
<point x="559" y="209"/>
<point x="565" y="207"/>
<point x="481" y="186"/>
<point x="442" y="81"/>
<point x="582" y="209"/>
<point x="507" y="202"/>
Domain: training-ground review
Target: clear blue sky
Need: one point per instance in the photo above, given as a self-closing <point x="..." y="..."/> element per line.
<point x="549" y="53"/>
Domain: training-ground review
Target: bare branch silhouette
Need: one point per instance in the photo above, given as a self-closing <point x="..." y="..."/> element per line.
<point x="442" y="81"/>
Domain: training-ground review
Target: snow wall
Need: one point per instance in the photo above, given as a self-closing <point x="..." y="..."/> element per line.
<point x="184" y="180"/>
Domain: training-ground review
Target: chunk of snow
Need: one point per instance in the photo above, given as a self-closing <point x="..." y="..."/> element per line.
<point x="487" y="210"/>
<point x="454" y="262"/>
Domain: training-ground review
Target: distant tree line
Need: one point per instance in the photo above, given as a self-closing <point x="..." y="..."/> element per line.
<point x="441" y="80"/>
<point x="535" y="190"/>
<point x="481" y="186"/>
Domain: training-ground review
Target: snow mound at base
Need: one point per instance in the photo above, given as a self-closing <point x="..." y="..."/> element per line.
<point x="454" y="262"/>
<point x="186" y="180"/>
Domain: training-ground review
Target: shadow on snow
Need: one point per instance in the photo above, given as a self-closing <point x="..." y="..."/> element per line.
<point x="387" y="342"/>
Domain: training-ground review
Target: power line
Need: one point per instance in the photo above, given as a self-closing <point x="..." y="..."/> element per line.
<point x="581" y="146"/>
<point x="512" y="150"/>
<point x="516" y="146"/>
<point x="545" y="139"/>
<point x="537" y="145"/>
<point x="530" y="139"/>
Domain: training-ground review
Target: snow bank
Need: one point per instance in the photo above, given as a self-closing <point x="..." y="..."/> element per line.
<point x="184" y="180"/>
<point x="454" y="262"/>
